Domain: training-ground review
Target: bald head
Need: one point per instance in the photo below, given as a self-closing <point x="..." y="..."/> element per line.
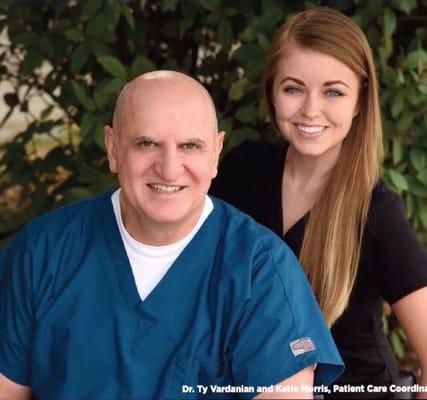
<point x="166" y="89"/>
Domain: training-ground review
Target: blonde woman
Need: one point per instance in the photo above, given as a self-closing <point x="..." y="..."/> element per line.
<point x="319" y="190"/>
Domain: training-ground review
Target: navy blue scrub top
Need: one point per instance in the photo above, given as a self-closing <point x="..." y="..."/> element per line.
<point x="234" y="309"/>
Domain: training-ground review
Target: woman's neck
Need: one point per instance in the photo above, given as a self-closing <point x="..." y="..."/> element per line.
<point x="309" y="173"/>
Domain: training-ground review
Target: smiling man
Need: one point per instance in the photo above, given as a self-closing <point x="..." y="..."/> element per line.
<point x="157" y="290"/>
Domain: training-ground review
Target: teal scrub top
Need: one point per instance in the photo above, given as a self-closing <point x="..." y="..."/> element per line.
<point x="234" y="309"/>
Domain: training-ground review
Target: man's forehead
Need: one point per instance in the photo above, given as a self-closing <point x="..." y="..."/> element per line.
<point x="163" y="90"/>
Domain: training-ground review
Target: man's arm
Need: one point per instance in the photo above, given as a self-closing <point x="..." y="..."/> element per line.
<point x="12" y="391"/>
<point x="303" y="377"/>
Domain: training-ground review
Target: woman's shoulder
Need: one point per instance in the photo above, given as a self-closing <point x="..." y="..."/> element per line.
<point x="385" y="201"/>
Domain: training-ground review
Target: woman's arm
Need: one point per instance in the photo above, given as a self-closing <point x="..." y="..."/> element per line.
<point x="411" y="312"/>
<point x="10" y="390"/>
<point x="302" y="378"/>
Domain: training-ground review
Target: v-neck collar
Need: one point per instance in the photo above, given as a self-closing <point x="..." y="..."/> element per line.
<point x="294" y="235"/>
<point x="162" y="296"/>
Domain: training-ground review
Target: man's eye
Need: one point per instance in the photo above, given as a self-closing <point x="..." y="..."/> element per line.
<point x="146" y="143"/>
<point x="190" y="146"/>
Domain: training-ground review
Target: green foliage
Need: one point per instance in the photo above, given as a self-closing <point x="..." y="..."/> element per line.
<point x="75" y="56"/>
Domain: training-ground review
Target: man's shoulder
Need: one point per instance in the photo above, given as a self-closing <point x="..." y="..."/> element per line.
<point x="67" y="216"/>
<point x="246" y="230"/>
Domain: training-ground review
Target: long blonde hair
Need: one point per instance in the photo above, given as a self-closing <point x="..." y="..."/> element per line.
<point x="332" y="241"/>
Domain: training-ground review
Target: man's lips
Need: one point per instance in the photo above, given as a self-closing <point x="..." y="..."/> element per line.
<point x="162" y="188"/>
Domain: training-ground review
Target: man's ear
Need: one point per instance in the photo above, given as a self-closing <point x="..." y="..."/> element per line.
<point x="219" y="142"/>
<point x="110" y="146"/>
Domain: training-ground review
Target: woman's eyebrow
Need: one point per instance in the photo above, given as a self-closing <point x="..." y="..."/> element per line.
<point x="330" y="83"/>
<point x="290" y="78"/>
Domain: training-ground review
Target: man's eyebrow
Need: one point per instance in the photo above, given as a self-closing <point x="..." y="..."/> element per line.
<point x="195" y="140"/>
<point x="144" y="138"/>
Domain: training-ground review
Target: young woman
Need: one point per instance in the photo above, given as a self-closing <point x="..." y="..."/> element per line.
<point x="319" y="190"/>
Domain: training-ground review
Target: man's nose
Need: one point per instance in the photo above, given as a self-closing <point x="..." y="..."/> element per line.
<point x="312" y="106"/>
<point x="169" y="165"/>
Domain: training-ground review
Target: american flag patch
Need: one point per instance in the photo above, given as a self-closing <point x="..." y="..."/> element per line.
<point x="301" y="346"/>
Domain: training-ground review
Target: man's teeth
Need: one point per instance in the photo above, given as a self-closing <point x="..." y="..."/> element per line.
<point x="310" y="129"/>
<point x="165" y="188"/>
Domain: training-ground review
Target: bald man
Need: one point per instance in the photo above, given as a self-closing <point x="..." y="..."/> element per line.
<point x="156" y="290"/>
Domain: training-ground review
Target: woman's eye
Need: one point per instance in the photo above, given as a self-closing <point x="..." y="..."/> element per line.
<point x="292" y="89"/>
<point x="333" y="93"/>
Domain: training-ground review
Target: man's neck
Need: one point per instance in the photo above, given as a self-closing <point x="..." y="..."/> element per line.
<point x="153" y="233"/>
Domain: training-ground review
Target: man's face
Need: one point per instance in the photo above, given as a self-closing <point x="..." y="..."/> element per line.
<point x="165" y="154"/>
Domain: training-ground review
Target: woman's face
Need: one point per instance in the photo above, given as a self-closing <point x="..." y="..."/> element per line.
<point x="315" y="97"/>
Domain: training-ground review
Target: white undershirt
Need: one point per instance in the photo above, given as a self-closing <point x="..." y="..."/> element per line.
<point x="150" y="263"/>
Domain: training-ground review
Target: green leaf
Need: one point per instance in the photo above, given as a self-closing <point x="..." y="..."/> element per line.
<point x="415" y="59"/>
<point x="107" y="89"/>
<point x="27" y="39"/>
<point x="405" y="121"/>
<point x="409" y="205"/>
<point x="226" y="125"/>
<point x="32" y="60"/>
<point x="113" y="66"/>
<point x="237" y="89"/>
<point x="405" y="5"/>
<point x="90" y="8"/>
<point x="81" y="95"/>
<point x="400" y="78"/>
<point x="87" y="124"/>
<point x="75" y="194"/>
<point x="74" y="35"/>
<point x="46" y="112"/>
<point x="114" y="85"/>
<point x="97" y="25"/>
<point x="385" y="324"/>
<point x="389" y="21"/>
<point x="397" y="344"/>
<point x="127" y="13"/>
<point x="90" y="175"/>
<point x="210" y="5"/>
<point x="79" y="58"/>
<point x="225" y="33"/>
<point x="46" y="46"/>
<point x="418" y="158"/>
<point x="422" y="176"/>
<point x="416" y="187"/>
<point x="97" y="47"/>
<point x="247" y="52"/>
<point x="247" y="113"/>
<point x="374" y="7"/>
<point x="169" y="5"/>
<point x="397" y="150"/>
<point x="239" y="135"/>
<point x="141" y="65"/>
<point x="99" y="135"/>
<point x="397" y="106"/>
<point x="423" y="89"/>
<point x="398" y="180"/>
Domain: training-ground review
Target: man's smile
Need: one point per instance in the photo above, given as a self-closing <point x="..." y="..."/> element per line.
<point x="161" y="188"/>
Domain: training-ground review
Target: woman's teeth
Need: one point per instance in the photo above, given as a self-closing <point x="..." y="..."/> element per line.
<point x="310" y="129"/>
